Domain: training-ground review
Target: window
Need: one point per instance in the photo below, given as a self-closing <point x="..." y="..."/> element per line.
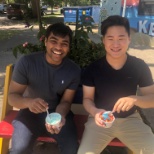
<point x="146" y="7"/>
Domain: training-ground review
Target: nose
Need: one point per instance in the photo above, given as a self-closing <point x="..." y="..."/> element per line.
<point x="116" y="43"/>
<point x="58" y="46"/>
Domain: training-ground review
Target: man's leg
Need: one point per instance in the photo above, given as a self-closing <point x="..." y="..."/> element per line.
<point x="22" y="139"/>
<point x="67" y="138"/>
<point x="136" y="134"/>
<point x="95" y="138"/>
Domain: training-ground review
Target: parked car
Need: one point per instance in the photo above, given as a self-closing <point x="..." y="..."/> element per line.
<point x="16" y="10"/>
<point x="3" y="8"/>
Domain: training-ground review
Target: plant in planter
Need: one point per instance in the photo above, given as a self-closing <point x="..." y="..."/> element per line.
<point x="84" y="51"/>
<point x="27" y="48"/>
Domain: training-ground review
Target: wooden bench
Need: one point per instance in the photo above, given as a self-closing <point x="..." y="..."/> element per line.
<point x="8" y="114"/>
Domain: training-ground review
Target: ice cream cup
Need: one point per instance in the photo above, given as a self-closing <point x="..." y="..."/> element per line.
<point x="53" y="119"/>
<point x="108" y="122"/>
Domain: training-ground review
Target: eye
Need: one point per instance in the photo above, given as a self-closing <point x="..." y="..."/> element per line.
<point x="110" y="39"/>
<point x="53" y="41"/>
<point x="65" y="44"/>
<point x="122" y="38"/>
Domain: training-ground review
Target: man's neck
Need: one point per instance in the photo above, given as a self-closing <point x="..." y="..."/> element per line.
<point x="117" y="63"/>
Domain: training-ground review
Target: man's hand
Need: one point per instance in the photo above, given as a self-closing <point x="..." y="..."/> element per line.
<point x="54" y="129"/>
<point x="98" y="120"/>
<point x="37" y="105"/>
<point x="124" y="104"/>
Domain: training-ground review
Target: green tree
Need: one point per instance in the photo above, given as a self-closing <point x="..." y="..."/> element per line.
<point x="81" y="2"/>
<point x="53" y="3"/>
<point x="37" y="11"/>
<point x="7" y="1"/>
<point x="94" y="2"/>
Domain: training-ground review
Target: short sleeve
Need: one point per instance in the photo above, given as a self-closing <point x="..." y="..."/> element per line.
<point x="146" y="76"/>
<point x="20" y="71"/>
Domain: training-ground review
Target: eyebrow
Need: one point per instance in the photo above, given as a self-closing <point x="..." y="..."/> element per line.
<point x="110" y="36"/>
<point x="55" y="38"/>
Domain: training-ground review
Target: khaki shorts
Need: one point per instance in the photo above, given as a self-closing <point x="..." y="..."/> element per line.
<point x="132" y="131"/>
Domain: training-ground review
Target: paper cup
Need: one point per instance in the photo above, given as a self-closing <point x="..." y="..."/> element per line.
<point x="53" y="119"/>
<point x="108" y="122"/>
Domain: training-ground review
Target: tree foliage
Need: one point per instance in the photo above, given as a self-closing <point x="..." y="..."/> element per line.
<point x="62" y="3"/>
<point x="81" y="2"/>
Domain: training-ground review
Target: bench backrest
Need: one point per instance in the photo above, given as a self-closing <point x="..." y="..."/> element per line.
<point x="5" y="106"/>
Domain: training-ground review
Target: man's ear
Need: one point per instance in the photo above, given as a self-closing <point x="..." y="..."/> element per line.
<point x="45" y="41"/>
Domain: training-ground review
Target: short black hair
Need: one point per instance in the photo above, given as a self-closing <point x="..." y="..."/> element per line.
<point x="59" y="29"/>
<point x="115" y="20"/>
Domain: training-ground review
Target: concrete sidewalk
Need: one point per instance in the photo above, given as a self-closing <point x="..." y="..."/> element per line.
<point x="6" y="46"/>
<point x="23" y="36"/>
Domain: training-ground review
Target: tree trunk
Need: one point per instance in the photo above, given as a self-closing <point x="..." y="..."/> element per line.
<point x="34" y="8"/>
<point x="39" y="14"/>
<point x="36" y="11"/>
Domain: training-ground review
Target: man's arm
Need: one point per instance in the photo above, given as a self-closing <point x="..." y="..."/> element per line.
<point x="65" y="103"/>
<point x="89" y="105"/>
<point x="146" y="100"/>
<point x="17" y="100"/>
<point x="63" y="108"/>
<point x="88" y="99"/>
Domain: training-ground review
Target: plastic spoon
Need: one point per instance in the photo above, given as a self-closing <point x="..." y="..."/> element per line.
<point x="48" y="113"/>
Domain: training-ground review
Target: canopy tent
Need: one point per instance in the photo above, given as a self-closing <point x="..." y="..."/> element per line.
<point x="128" y="3"/>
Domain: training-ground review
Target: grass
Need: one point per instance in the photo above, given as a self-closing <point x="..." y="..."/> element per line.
<point x="48" y="19"/>
<point x="7" y="34"/>
<point x="52" y="18"/>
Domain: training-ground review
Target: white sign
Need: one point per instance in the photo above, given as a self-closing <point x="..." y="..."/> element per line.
<point x="143" y="27"/>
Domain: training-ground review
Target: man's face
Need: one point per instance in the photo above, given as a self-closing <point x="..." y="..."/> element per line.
<point x="56" y="48"/>
<point x="116" y="41"/>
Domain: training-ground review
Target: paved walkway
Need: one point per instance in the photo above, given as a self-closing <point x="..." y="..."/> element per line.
<point x="6" y="56"/>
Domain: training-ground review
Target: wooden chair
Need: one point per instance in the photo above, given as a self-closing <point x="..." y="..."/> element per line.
<point x="4" y="142"/>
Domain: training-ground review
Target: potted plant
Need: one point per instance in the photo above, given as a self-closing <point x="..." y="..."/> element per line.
<point x="84" y="51"/>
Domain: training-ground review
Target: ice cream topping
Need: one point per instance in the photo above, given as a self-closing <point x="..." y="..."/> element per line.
<point x="53" y="118"/>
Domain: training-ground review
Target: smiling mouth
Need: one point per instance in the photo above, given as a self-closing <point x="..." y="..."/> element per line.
<point x="115" y="50"/>
<point x="57" y="53"/>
